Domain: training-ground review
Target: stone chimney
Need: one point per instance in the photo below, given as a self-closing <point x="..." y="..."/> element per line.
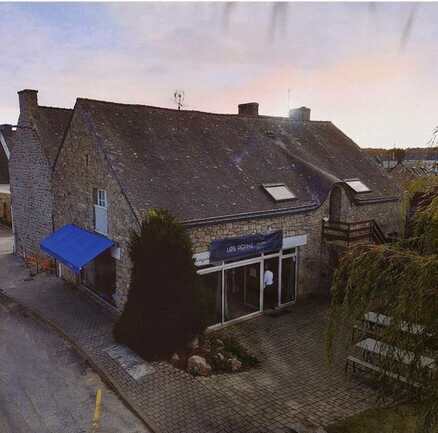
<point x="249" y="109"/>
<point x="300" y="114"/>
<point x="28" y="101"/>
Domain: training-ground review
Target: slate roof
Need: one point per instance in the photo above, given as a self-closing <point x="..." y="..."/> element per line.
<point x="203" y="165"/>
<point x="51" y="124"/>
<point x="8" y="135"/>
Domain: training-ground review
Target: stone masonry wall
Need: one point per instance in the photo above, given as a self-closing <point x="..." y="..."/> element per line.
<point x="387" y="215"/>
<point x="81" y="168"/>
<point x="31" y="192"/>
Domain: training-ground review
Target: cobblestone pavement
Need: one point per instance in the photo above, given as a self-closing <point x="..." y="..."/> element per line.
<point x="292" y="388"/>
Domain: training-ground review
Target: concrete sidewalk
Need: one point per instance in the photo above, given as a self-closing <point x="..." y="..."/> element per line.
<point x="292" y="391"/>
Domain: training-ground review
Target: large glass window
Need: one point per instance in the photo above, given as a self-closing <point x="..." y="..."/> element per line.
<point x="288" y="280"/>
<point x="211" y="286"/>
<point x="242" y="291"/>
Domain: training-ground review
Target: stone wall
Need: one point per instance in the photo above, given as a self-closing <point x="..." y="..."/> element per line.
<point x="81" y="168"/>
<point x="387" y="215"/>
<point x="5" y="208"/>
<point x="31" y="192"/>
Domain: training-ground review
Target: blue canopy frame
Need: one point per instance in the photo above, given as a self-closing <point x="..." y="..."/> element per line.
<point x="75" y="247"/>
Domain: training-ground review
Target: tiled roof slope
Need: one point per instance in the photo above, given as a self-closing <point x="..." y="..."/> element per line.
<point x="203" y="165"/>
<point x="51" y="124"/>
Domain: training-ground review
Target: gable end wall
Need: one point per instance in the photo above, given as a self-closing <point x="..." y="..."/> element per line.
<point x="31" y="192"/>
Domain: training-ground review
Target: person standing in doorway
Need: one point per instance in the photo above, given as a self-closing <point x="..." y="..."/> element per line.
<point x="268" y="278"/>
<point x="268" y="287"/>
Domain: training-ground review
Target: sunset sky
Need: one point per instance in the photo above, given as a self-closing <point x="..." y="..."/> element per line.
<point x="372" y="69"/>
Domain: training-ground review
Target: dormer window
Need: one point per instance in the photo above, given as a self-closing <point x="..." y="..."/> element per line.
<point x="357" y="185"/>
<point x="279" y="191"/>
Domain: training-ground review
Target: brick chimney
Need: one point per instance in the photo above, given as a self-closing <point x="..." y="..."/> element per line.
<point x="28" y="101"/>
<point x="300" y="114"/>
<point x="249" y="109"/>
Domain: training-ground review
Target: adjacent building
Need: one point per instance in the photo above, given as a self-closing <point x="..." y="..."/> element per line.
<point x="268" y="201"/>
<point x="7" y="135"/>
<point x="37" y="138"/>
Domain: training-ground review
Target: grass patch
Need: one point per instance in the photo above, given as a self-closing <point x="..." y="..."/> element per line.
<point x="399" y="419"/>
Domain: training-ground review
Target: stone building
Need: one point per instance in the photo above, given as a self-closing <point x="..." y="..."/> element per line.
<point x="267" y="201"/>
<point x="37" y="137"/>
<point x="7" y="135"/>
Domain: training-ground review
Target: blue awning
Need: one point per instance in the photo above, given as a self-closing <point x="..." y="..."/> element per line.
<point x="75" y="247"/>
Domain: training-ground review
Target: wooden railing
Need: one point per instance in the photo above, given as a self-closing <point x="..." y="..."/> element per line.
<point x="351" y="232"/>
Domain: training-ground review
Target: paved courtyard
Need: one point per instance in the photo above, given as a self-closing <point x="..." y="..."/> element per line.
<point x="293" y="390"/>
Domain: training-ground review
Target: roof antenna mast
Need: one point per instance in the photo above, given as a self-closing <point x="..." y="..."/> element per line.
<point x="288" y="100"/>
<point x="178" y="97"/>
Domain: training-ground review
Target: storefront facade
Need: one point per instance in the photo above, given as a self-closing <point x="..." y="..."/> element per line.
<point x="252" y="281"/>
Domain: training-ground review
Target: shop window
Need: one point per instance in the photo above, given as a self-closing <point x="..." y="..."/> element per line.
<point x="242" y="291"/>
<point x="211" y="287"/>
<point x="288" y="272"/>
<point x="100" y="276"/>
<point x="279" y="192"/>
<point x="288" y="251"/>
<point x="357" y="186"/>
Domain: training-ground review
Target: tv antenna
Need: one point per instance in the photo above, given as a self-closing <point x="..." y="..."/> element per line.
<point x="178" y="97"/>
<point x="288" y="100"/>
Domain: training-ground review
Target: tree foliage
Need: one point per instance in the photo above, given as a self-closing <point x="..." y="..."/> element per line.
<point x="164" y="310"/>
<point x="399" y="280"/>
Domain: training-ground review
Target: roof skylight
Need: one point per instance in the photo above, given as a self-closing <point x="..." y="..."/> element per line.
<point x="357" y="186"/>
<point x="279" y="192"/>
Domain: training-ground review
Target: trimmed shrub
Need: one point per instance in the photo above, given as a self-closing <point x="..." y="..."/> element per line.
<point x="164" y="311"/>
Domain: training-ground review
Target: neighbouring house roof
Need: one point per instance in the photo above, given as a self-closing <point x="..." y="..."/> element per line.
<point x="51" y="124"/>
<point x="412" y="154"/>
<point x="7" y="138"/>
<point x="203" y="165"/>
<point x="402" y="173"/>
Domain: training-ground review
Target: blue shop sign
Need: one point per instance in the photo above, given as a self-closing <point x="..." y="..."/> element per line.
<point x="243" y="246"/>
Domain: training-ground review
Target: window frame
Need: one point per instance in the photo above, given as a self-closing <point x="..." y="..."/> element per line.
<point x="101" y="198"/>
<point x="267" y="186"/>
<point x="349" y="181"/>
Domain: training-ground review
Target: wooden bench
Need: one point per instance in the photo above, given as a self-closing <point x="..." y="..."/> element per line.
<point x="378" y="319"/>
<point x="372" y="346"/>
<point x="367" y="366"/>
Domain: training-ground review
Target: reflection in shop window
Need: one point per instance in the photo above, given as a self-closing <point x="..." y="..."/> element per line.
<point x="242" y="291"/>
<point x="211" y="287"/>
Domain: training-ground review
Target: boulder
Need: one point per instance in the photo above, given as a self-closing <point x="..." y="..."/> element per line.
<point x="175" y="359"/>
<point x="219" y="343"/>
<point x="194" y="344"/>
<point x="198" y="366"/>
<point x="235" y="364"/>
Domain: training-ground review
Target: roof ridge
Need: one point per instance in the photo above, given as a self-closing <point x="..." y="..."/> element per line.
<point x="262" y="116"/>
<point x="54" y="108"/>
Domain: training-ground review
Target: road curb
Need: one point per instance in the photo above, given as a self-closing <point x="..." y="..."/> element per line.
<point x="99" y="371"/>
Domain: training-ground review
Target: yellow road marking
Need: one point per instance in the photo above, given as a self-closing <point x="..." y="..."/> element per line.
<point x="96" y="418"/>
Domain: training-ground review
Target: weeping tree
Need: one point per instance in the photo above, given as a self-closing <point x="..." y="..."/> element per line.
<point x="164" y="311"/>
<point x="401" y="281"/>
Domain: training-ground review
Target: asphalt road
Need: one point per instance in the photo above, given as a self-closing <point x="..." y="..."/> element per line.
<point x="45" y="386"/>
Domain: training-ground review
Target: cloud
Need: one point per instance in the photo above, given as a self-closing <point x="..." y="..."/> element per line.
<point x="342" y="59"/>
